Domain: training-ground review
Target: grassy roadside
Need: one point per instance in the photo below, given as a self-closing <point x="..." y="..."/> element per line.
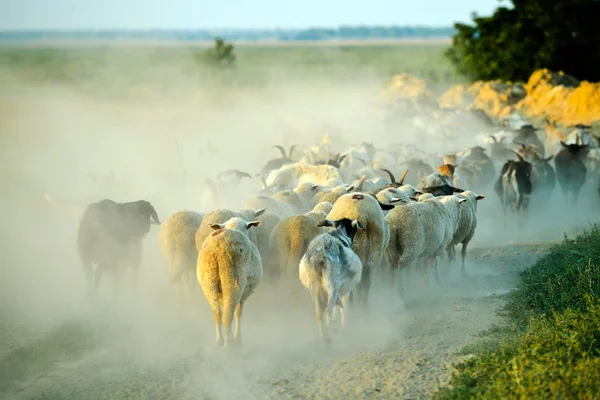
<point x="549" y="343"/>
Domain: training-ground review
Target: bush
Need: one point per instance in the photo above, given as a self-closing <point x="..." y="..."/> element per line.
<point x="559" y="35"/>
<point x="549" y="346"/>
<point x="560" y="280"/>
<point x="221" y="55"/>
<point x="558" y="357"/>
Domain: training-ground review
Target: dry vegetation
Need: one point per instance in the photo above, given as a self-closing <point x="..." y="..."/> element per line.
<point x="149" y="123"/>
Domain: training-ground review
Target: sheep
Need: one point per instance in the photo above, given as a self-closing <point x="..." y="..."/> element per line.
<point x="424" y="196"/>
<point x="177" y="244"/>
<point x="329" y="197"/>
<point x="514" y="187"/>
<point x="268" y="222"/>
<point x="110" y="234"/>
<point x="222" y="215"/>
<point x="330" y="270"/>
<point x="295" y="173"/>
<point x="289" y="239"/>
<point x="298" y="203"/>
<point x="421" y="229"/>
<point x="274" y="206"/>
<point x="439" y="183"/>
<point x="466" y="229"/>
<point x="391" y="195"/>
<point x="229" y="270"/>
<point x="307" y="190"/>
<point x="369" y="244"/>
<point x="444" y="176"/>
<point x="571" y="170"/>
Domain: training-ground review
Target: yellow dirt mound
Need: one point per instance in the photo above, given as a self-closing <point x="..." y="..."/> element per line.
<point x="561" y="98"/>
<point x="556" y="96"/>
<point x="408" y="87"/>
<point x="496" y="98"/>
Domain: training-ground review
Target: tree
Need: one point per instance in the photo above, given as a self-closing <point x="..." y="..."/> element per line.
<point x="559" y="35"/>
<point x="220" y="55"/>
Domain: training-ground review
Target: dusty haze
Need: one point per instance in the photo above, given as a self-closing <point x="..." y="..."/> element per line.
<point x="160" y="144"/>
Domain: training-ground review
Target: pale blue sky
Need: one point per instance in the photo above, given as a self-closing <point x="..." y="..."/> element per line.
<point x="204" y="14"/>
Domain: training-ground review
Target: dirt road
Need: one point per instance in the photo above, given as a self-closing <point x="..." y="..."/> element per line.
<point x="142" y="349"/>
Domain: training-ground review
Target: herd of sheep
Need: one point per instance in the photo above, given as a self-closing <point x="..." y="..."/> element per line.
<point x="328" y="219"/>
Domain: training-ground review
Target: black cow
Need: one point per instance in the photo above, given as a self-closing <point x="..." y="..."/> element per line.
<point x="111" y="234"/>
<point x="570" y="169"/>
<point x="514" y="187"/>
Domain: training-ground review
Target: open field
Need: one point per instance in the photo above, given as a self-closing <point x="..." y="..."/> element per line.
<point x="161" y="125"/>
<point x="160" y="71"/>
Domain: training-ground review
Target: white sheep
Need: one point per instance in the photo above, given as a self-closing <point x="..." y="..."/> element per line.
<point x="177" y="244"/>
<point x="293" y="174"/>
<point x="369" y="244"/>
<point x="298" y="203"/>
<point x="467" y="225"/>
<point x="275" y="206"/>
<point x="222" y="215"/>
<point x="290" y="237"/>
<point x="229" y="270"/>
<point x="330" y="270"/>
<point x="421" y="230"/>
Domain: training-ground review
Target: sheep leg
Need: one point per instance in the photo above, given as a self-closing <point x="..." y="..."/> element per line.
<point x="216" y="307"/>
<point x="228" y="310"/>
<point x="364" y="287"/>
<point x="237" y="336"/>
<point x="449" y="251"/>
<point x="320" y="305"/>
<point x="463" y="253"/>
<point x="344" y="310"/>
<point x="436" y="268"/>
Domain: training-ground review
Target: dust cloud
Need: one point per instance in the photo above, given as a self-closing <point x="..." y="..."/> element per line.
<point x="159" y="143"/>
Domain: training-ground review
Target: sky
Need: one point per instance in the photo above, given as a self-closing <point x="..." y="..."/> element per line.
<point x="236" y="14"/>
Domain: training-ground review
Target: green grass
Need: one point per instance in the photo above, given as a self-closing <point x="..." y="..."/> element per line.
<point x="549" y="344"/>
<point x="124" y="69"/>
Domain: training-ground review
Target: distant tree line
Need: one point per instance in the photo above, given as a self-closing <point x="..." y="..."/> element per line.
<point x="561" y="35"/>
<point x="341" y="33"/>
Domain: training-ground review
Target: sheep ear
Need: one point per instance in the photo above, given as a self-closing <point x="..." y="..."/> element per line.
<point x="395" y="199"/>
<point x="324" y="223"/>
<point x="350" y="188"/>
<point x="314" y="187"/>
<point x="460" y="201"/>
<point x="480" y="197"/>
<point x="216" y="227"/>
<point x="418" y="192"/>
<point x="413" y="198"/>
<point x="252" y="223"/>
<point x="259" y="212"/>
<point x="385" y="207"/>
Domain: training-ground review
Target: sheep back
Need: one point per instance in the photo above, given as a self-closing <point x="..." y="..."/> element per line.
<point x="370" y="244"/>
<point x="221" y="216"/>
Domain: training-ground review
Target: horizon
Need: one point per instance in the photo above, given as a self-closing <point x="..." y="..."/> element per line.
<point x="239" y="29"/>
